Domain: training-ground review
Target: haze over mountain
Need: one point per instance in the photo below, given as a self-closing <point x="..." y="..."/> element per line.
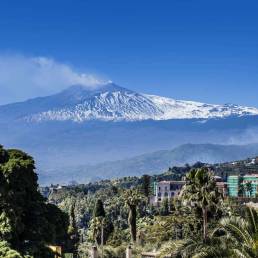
<point x="90" y="125"/>
<point x="152" y="163"/>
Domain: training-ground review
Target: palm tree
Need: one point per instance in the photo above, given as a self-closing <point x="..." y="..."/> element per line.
<point x="132" y="199"/>
<point x="249" y="188"/>
<point x="234" y="237"/>
<point x="201" y="191"/>
<point x="243" y="233"/>
<point x="190" y="248"/>
<point x="241" y="190"/>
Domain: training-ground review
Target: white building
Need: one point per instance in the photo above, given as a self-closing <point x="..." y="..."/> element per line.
<point x="166" y="189"/>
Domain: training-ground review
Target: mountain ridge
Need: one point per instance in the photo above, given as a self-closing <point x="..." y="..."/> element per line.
<point x="154" y="163"/>
<point x="110" y="128"/>
<point x="110" y="102"/>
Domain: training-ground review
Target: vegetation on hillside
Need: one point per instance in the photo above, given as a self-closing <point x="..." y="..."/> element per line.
<point x="113" y="214"/>
<point x="27" y="223"/>
<point x="199" y="223"/>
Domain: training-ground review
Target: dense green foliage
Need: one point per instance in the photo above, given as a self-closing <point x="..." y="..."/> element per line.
<point x="198" y="223"/>
<point x="99" y="209"/>
<point x="115" y="213"/>
<point x="6" y="251"/>
<point x="27" y="223"/>
<point x="201" y="192"/>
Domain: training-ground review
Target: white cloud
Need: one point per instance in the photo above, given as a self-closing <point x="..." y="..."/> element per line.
<point x="26" y="77"/>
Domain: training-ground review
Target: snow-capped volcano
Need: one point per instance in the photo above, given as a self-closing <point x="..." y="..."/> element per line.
<point x="110" y="102"/>
<point x="56" y="129"/>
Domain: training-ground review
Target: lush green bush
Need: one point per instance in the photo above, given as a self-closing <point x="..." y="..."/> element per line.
<point x="7" y="252"/>
<point x="27" y="223"/>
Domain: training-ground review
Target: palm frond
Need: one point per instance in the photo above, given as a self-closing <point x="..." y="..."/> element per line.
<point x="238" y="229"/>
<point x="241" y="254"/>
<point x="252" y="218"/>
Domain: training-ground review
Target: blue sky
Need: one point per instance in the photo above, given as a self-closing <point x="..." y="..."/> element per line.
<point x="186" y="49"/>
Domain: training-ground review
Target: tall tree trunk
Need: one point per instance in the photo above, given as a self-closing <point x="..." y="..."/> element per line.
<point x="132" y="222"/>
<point x="205" y="223"/>
<point x="102" y="239"/>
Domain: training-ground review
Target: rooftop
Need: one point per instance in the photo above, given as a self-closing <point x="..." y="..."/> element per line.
<point x="251" y="175"/>
<point x="171" y="182"/>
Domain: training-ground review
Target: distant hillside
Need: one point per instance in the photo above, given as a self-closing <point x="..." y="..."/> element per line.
<point x="152" y="163"/>
<point x="79" y="128"/>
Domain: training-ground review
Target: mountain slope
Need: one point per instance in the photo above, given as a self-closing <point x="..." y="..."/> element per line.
<point x="110" y="102"/>
<point x="85" y="126"/>
<point x="153" y="163"/>
<point x="179" y="109"/>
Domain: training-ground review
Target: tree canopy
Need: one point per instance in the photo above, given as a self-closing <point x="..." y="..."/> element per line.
<point x="27" y="222"/>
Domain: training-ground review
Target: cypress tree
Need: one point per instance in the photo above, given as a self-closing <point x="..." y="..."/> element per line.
<point x="99" y="209"/>
<point x="146" y="189"/>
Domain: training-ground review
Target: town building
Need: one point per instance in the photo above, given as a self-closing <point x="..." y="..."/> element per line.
<point x="243" y="186"/>
<point x="47" y="190"/>
<point x="221" y="185"/>
<point x="166" y="189"/>
<point x="252" y="180"/>
<point x="170" y="189"/>
<point x="233" y="185"/>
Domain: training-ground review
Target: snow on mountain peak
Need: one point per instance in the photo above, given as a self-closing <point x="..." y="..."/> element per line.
<point x="181" y="109"/>
<point x="110" y="102"/>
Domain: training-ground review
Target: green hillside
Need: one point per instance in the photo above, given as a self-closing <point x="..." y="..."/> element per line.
<point x="152" y="163"/>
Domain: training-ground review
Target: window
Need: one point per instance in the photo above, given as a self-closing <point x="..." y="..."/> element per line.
<point x="172" y="187"/>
